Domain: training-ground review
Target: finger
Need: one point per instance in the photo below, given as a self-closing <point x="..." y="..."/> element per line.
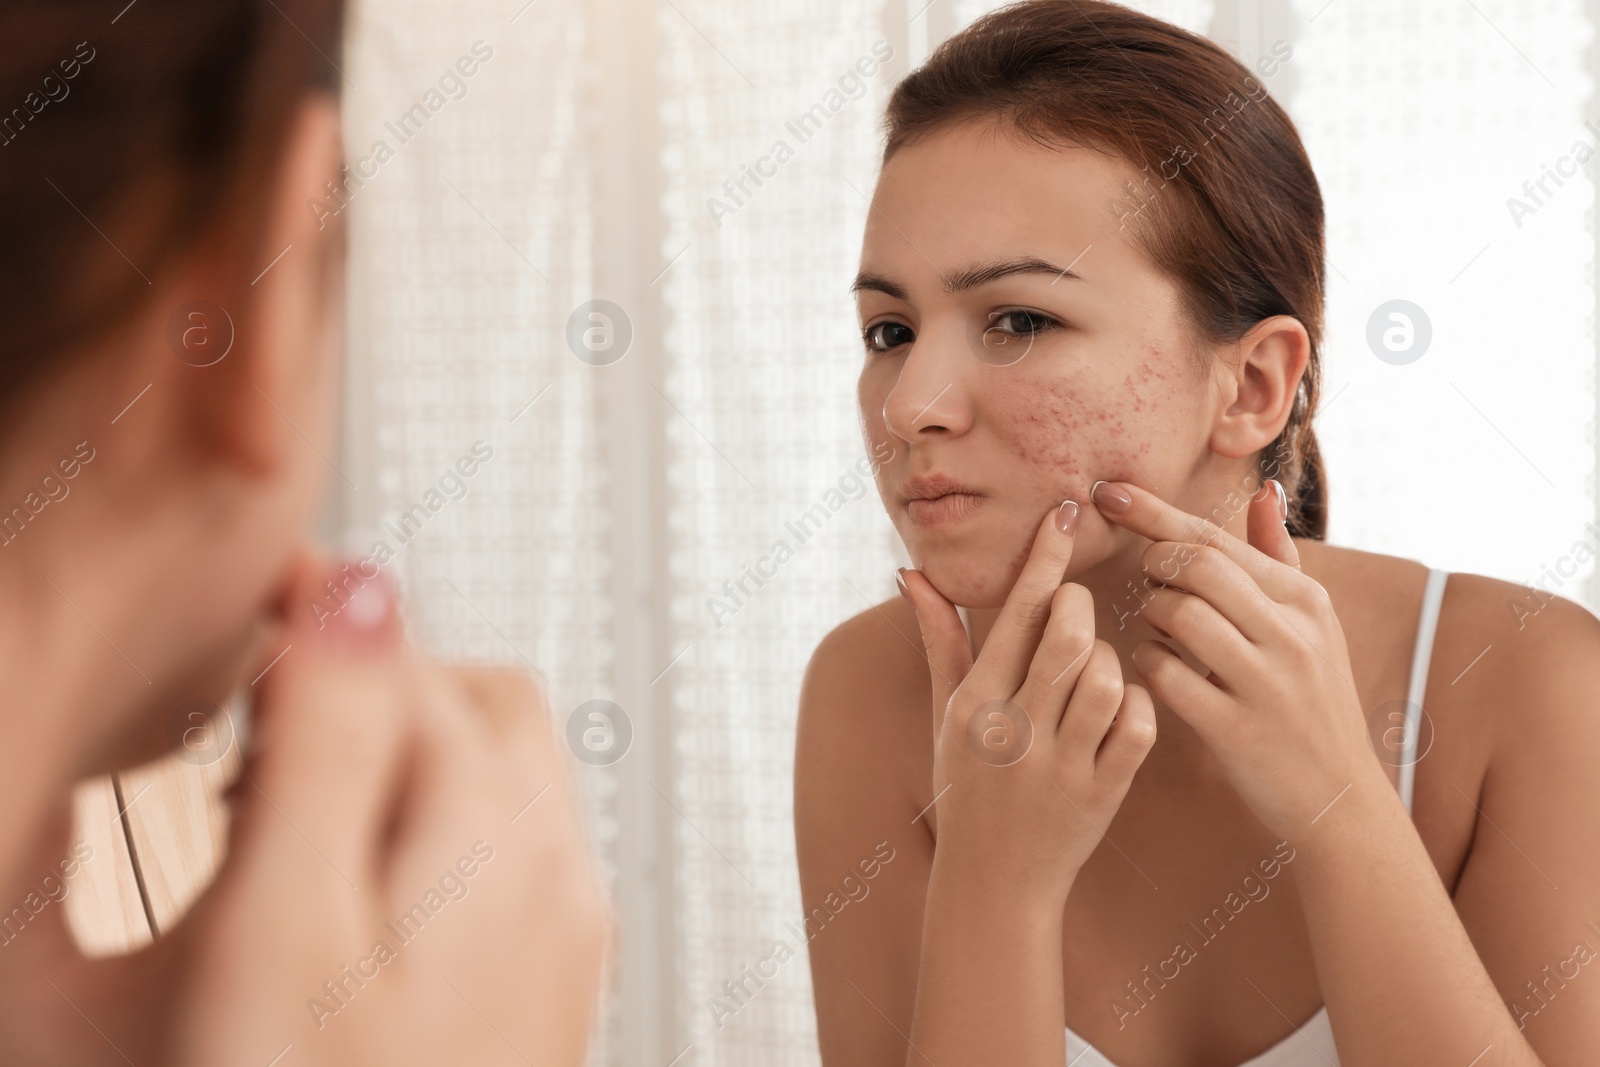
<point x="1268" y="527"/>
<point x="1021" y="622"/>
<point x="290" y="607"/>
<point x="526" y="871"/>
<point x="301" y="584"/>
<point x="1207" y="634"/>
<point x="1095" y="699"/>
<point x="511" y="704"/>
<point x="944" y="640"/>
<point x="1149" y="516"/>
<point x="1063" y="651"/>
<point x="454" y="788"/>
<point x="515" y="708"/>
<point x="1209" y="574"/>
<point x="330" y="736"/>
<point x="1177" y="685"/>
<point x="1130" y="737"/>
<point x="493" y="692"/>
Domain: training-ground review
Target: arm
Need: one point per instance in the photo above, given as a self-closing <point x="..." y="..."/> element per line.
<point x="1401" y="977"/>
<point x="856" y="786"/>
<point x="1407" y="976"/>
<point x="977" y="977"/>
<point x="1036" y="744"/>
<point x="990" y="982"/>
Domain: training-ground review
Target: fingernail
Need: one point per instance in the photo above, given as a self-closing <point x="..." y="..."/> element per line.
<point x="366" y="615"/>
<point x="1109" y="498"/>
<point x="1067" y="517"/>
<point x="1283" y="501"/>
<point x="900" y="581"/>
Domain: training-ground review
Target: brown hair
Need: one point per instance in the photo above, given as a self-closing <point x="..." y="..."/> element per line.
<point x="125" y="139"/>
<point x="1239" y="226"/>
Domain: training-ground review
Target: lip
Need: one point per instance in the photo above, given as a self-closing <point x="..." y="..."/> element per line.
<point x="938" y="499"/>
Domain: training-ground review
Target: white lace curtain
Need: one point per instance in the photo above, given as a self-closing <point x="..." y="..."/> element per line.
<point x="595" y="152"/>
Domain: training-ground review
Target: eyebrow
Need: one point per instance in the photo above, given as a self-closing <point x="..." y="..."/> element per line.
<point x="967" y="277"/>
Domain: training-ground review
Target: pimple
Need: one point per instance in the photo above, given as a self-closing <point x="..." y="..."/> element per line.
<point x="1052" y="426"/>
<point x="1045" y="421"/>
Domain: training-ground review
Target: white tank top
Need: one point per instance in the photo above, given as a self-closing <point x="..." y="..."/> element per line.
<point x="1311" y="1043"/>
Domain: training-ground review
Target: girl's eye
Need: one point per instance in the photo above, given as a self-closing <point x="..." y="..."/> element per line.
<point x="882" y="336"/>
<point x="1020" y="323"/>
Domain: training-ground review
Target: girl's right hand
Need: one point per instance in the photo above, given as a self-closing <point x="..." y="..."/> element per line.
<point x="1035" y="743"/>
<point x="407" y="880"/>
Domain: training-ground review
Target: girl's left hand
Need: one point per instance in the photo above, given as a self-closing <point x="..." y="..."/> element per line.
<point x="1279" y="708"/>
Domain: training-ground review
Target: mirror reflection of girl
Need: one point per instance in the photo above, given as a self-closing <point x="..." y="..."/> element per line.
<point x="173" y="164"/>
<point x="1163" y="820"/>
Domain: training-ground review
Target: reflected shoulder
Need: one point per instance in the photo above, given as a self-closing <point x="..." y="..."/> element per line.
<point x="874" y="653"/>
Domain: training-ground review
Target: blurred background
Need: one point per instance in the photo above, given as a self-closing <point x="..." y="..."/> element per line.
<point x="554" y="262"/>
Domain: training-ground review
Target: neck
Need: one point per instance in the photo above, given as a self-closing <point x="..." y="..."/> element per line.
<point x="55" y="667"/>
<point x="97" y="635"/>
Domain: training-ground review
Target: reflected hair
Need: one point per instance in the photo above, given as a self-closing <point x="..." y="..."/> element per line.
<point x="1239" y="227"/>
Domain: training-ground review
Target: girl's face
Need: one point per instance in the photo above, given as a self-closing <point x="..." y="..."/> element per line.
<point x="1019" y="347"/>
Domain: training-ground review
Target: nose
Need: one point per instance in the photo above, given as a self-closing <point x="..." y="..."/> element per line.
<point x="931" y="395"/>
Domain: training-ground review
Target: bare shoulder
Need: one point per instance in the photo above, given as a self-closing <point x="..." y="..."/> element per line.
<point x="877" y="653"/>
<point x="1377" y="598"/>
<point x="1506" y="658"/>
<point x="1532" y="656"/>
<point x="864" y="701"/>
<point x="1524" y="663"/>
<point x="863" y="772"/>
<point x="1366" y="582"/>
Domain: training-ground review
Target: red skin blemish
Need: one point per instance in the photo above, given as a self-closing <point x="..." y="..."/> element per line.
<point x="1072" y="428"/>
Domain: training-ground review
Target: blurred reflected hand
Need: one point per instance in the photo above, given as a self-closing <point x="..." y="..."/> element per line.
<point x="406" y="883"/>
<point x="407" y="880"/>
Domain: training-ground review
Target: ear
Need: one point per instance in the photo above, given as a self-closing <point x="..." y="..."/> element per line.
<point x="279" y="294"/>
<point x="1258" y="388"/>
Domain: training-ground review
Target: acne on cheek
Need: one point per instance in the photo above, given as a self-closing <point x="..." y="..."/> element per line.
<point x="1082" y="427"/>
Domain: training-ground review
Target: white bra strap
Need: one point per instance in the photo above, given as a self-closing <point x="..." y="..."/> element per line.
<point x="1427" y="625"/>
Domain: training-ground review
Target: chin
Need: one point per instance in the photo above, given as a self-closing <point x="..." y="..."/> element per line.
<point x="173" y="717"/>
<point x="980" y="572"/>
<point x="971" y="591"/>
<point x="972" y="578"/>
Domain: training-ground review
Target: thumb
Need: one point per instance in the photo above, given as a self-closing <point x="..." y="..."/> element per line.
<point x="1267" y="524"/>
<point x="944" y="639"/>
